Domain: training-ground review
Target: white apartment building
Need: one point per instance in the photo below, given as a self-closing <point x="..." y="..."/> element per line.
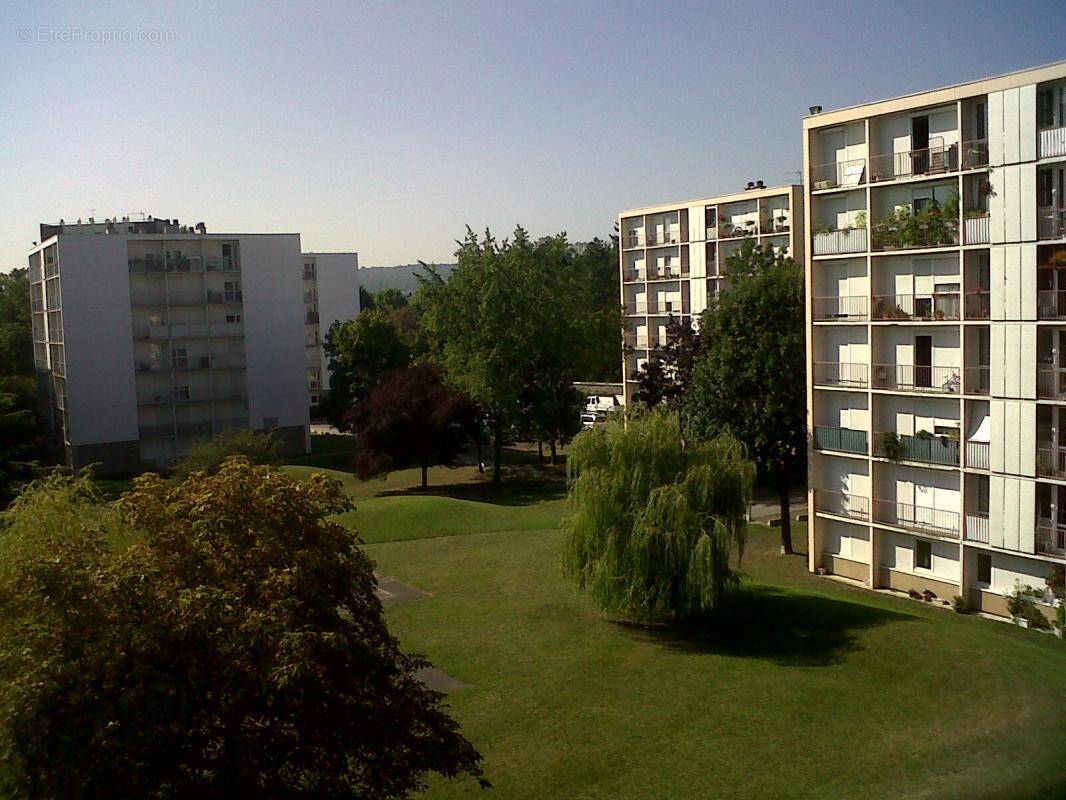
<point x="331" y="294"/>
<point x="149" y="335"/>
<point x="672" y="259"/>
<point x="936" y="336"/>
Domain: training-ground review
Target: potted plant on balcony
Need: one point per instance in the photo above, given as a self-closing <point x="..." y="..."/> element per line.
<point x="781" y="220"/>
<point x="892" y="447"/>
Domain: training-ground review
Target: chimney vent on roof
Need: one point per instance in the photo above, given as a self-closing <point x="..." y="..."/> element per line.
<point x="751" y="185"/>
<point x="760" y="185"/>
<point x="815" y="110"/>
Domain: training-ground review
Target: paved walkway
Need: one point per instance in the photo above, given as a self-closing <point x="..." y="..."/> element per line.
<point x="766" y="510"/>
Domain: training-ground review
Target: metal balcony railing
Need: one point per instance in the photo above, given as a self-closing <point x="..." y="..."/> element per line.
<point x="664" y="238"/>
<point x="887" y="236"/>
<point x="926" y="449"/>
<point x="833" y="243"/>
<point x="839" y="173"/>
<point x="632" y="240"/>
<point x="1051" y="304"/>
<point x="975" y="154"/>
<point x="1051" y="383"/>
<point x="935" y="160"/>
<point x="841" y="504"/>
<point x="977" y="305"/>
<point x="977" y="380"/>
<point x="1050" y="223"/>
<point x="1050" y="461"/>
<point x="845" y="440"/>
<point x="730" y="231"/>
<point x="838" y="308"/>
<point x="931" y="521"/>
<point x="975" y="230"/>
<point x="633" y="276"/>
<point x="917" y="378"/>
<point x="835" y="373"/>
<point x="672" y="272"/>
<point x="977" y="528"/>
<point x="1050" y="538"/>
<point x="1051" y="142"/>
<point x="932" y="307"/>
<point x="977" y="455"/>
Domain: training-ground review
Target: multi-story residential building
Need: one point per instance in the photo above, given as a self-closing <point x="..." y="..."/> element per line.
<point x="149" y="335"/>
<point x="331" y="294"/>
<point x="936" y="285"/>
<point x="672" y="259"/>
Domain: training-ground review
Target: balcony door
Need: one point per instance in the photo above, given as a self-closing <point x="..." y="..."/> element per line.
<point x="919" y="145"/>
<point x="923" y="361"/>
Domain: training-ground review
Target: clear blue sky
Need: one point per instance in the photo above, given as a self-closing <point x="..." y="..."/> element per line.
<point x="387" y="127"/>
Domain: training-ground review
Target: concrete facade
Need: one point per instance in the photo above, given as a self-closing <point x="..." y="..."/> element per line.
<point x="936" y="303"/>
<point x="331" y="294"/>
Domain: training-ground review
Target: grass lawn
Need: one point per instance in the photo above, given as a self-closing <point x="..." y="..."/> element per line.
<point x="818" y="689"/>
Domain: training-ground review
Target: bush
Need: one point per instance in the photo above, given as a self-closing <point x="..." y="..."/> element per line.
<point x="207" y="455"/>
<point x="655" y="521"/>
<point x="236" y="649"/>
<point x="1021" y="605"/>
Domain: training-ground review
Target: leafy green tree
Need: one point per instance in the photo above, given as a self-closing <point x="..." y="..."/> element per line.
<point x="208" y="455"/>
<point x="361" y="351"/>
<point x="366" y="299"/>
<point x="664" y="378"/>
<point x="233" y="648"/>
<point x="596" y="299"/>
<point x="750" y="378"/>
<point x="21" y="432"/>
<point x="391" y="299"/>
<point x="655" y="519"/>
<point x="16" y="339"/>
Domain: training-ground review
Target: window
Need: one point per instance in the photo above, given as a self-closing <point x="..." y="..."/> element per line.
<point x="233" y="291"/>
<point x="233" y="318"/>
<point x="309" y="270"/>
<point x="181" y="392"/>
<point x="984" y="568"/>
<point x="982" y="494"/>
<point x="179" y="357"/>
<point x="923" y="554"/>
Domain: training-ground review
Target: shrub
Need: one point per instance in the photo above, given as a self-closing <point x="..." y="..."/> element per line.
<point x="207" y="455"/>
<point x="1021" y="605"/>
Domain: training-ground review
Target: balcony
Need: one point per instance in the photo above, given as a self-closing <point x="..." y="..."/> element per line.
<point x="835" y="373"/>
<point x="1050" y="223"/>
<point x="835" y="243"/>
<point x="977" y="455"/>
<point x="977" y="528"/>
<point x="845" y="440"/>
<point x="1051" y="304"/>
<point x="666" y="307"/>
<point x="1051" y="142"/>
<point x="633" y="240"/>
<point x="668" y="273"/>
<point x="975" y="229"/>
<point x="975" y="154"/>
<point x="837" y="174"/>
<point x="155" y="431"/>
<point x="930" y="521"/>
<point x="1050" y="538"/>
<point x="226" y="297"/>
<point x="927" y="307"/>
<point x="978" y="304"/>
<point x="194" y="428"/>
<point x="633" y="276"/>
<point x="642" y="342"/>
<point x="1051" y="383"/>
<point x="664" y="238"/>
<point x="189" y="330"/>
<point x="839" y="308"/>
<point x="936" y="160"/>
<point x="907" y="377"/>
<point x="911" y="232"/>
<point x="977" y="380"/>
<point x="926" y="449"/>
<point x="841" y="504"/>
<point x="1051" y="461"/>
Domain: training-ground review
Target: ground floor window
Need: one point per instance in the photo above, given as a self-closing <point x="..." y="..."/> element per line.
<point x="984" y="568"/>
<point x="923" y="554"/>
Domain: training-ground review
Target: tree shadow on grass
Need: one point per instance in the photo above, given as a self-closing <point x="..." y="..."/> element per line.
<point x="512" y="492"/>
<point x="802" y="630"/>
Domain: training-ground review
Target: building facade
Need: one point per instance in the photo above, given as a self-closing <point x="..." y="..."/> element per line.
<point x="672" y="259"/>
<point x="331" y="294"/>
<point x="149" y="335"/>
<point x="936" y="325"/>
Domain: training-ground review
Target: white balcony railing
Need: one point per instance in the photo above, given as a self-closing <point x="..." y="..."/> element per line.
<point x="833" y="243"/>
<point x="977" y="528"/>
<point x="1052" y="142"/>
<point x="976" y="230"/>
<point x="1050" y="222"/>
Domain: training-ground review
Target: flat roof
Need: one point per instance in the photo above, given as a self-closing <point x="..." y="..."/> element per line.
<point x="746" y="194"/>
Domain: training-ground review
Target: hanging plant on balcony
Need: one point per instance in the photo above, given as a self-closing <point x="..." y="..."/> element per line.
<point x="892" y="446"/>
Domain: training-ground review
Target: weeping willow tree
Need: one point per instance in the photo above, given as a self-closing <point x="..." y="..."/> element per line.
<point x="655" y="520"/>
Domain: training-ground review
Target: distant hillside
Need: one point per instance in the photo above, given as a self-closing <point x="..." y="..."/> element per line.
<point x="402" y="277"/>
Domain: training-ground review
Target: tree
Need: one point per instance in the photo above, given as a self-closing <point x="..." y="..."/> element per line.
<point x="391" y="299"/>
<point x="410" y="417"/>
<point x="361" y="351"/>
<point x="16" y="340"/>
<point x="208" y="455"/>
<point x="233" y="648"/>
<point x="655" y="520"/>
<point x="664" y="378"/>
<point x="594" y="267"/>
<point x="366" y="300"/>
<point x="21" y="442"/>
<point x="750" y="378"/>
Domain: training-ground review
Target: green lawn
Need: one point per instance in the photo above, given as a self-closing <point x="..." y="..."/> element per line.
<point x="816" y="690"/>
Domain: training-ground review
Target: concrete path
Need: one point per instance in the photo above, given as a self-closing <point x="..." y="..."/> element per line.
<point x="766" y="510"/>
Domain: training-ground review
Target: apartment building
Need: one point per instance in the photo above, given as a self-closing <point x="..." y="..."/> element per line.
<point x="936" y="336"/>
<point x="331" y="294"/>
<point x="672" y="259"/>
<point x="149" y="335"/>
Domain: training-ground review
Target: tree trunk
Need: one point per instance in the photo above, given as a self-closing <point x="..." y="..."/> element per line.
<point x="497" y="454"/>
<point x="555" y="453"/>
<point x="540" y="450"/>
<point x="425" y="475"/>
<point x="786" y="517"/>
<point x="480" y="463"/>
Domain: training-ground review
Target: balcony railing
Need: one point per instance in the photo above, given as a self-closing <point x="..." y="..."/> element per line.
<point x="1051" y="383"/>
<point x="666" y="307"/>
<point x="977" y="528"/>
<point x="888" y="236"/>
<point x="917" y="378"/>
<point x="664" y="238"/>
<point x="730" y="231"/>
<point x="932" y="521"/>
<point x="934" y="160"/>
<point x="939" y="306"/>
<point x="977" y="380"/>
<point x="841" y="504"/>
<point x="926" y="449"/>
<point x="1050" y="538"/>
<point x="1050" y="223"/>
<point x="839" y="173"/>
<point x="834" y="243"/>
<point x="633" y="276"/>
<point x="668" y="273"/>
<point x="845" y="440"/>
<point x="633" y="240"/>
<point x="1051" y="304"/>
<point x="975" y="154"/>
<point x="835" y="373"/>
<point x="978" y="304"/>
<point x="977" y="455"/>
<point x="1051" y="142"/>
<point x="975" y="230"/>
<point x="837" y="308"/>
<point x="155" y="431"/>
<point x="1050" y="461"/>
